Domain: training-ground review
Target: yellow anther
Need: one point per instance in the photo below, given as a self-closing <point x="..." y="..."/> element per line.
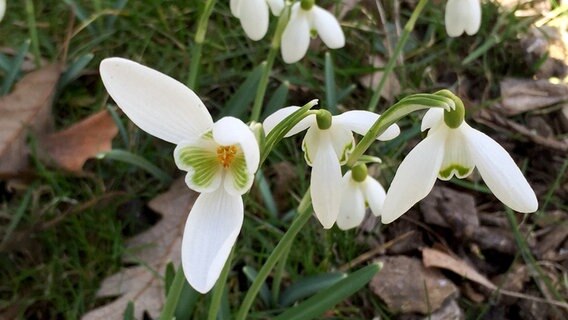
<point x="226" y="154"/>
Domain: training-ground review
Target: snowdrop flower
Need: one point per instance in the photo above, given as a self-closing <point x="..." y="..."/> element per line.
<point x="326" y="146"/>
<point x="220" y="159"/>
<point x="308" y="19"/>
<point x="2" y="9"/>
<point x="451" y="148"/>
<point x="462" y="15"/>
<point x="358" y="191"/>
<point x="253" y="15"/>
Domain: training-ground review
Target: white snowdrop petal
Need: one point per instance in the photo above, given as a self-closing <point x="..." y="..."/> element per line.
<point x="352" y="208"/>
<point x="342" y="141"/>
<point x="432" y="118"/>
<point x="328" y="27"/>
<point x="274" y="119"/>
<point x="325" y="186"/>
<point x="199" y="159"/>
<point x="500" y="172"/>
<point x="229" y="131"/>
<point x="415" y="176"/>
<point x="254" y="18"/>
<point x="276" y="6"/>
<point x="296" y="36"/>
<point x="457" y="160"/>
<point x="360" y="121"/>
<point x="2" y="9"/>
<point x="473" y="18"/>
<point x="210" y="232"/>
<point x="234" y="4"/>
<point x="311" y="144"/>
<point x="374" y="195"/>
<point x="455" y="17"/>
<point x="155" y="102"/>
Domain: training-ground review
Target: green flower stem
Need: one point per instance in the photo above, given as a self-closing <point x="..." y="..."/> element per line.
<point x="32" y="26"/>
<point x="304" y="214"/>
<point x="393" y="114"/>
<point x="277" y="278"/>
<point x="398" y="49"/>
<point x="220" y="288"/>
<point x="198" y="44"/>
<point x="173" y="295"/>
<point x="274" y="46"/>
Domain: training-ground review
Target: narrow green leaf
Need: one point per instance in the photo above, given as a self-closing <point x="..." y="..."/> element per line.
<point x="308" y="286"/>
<point x="81" y="14"/>
<point x="15" y="67"/>
<point x="325" y="300"/>
<point x="169" y="276"/>
<point x="131" y="158"/>
<point x="266" y="194"/>
<point x="330" y="94"/>
<point x="278" y="100"/>
<point x="4" y="63"/>
<point x="118" y="5"/>
<point x="345" y="92"/>
<point x="74" y="70"/>
<point x="251" y="274"/>
<point x="238" y="104"/>
<point x="129" y="312"/>
<point x="17" y="217"/>
<point x="121" y="128"/>
<point x="187" y="302"/>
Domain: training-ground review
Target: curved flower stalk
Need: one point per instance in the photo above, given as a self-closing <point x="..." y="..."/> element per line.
<point x="451" y="148"/>
<point x="358" y="191"/>
<point x="2" y="9"/>
<point x="254" y="15"/>
<point x="220" y="159"/>
<point x="462" y="15"/>
<point x="308" y="19"/>
<point x="327" y="144"/>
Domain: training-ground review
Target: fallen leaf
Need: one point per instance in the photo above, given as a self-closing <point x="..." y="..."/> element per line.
<point x="392" y="85"/>
<point x="28" y="107"/>
<point x="449" y="311"/>
<point x="405" y="285"/>
<point x="70" y="148"/>
<point x="439" y="259"/>
<point x="522" y="95"/>
<point x="153" y="250"/>
<point x="492" y="119"/>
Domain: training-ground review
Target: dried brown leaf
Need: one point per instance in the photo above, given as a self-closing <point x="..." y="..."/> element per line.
<point x="28" y="107"/>
<point x="439" y="259"/>
<point x="70" y="148"/>
<point x="522" y="95"/>
<point x="154" y="249"/>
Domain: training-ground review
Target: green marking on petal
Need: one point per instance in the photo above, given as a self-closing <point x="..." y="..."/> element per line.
<point x="345" y="153"/>
<point x="459" y="170"/>
<point x="239" y="171"/>
<point x="306" y="153"/>
<point x="204" y="163"/>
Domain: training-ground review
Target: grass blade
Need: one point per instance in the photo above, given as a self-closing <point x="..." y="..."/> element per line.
<point x="241" y="100"/>
<point x="136" y="160"/>
<point x="308" y="286"/>
<point x="330" y="94"/>
<point x="15" y="68"/>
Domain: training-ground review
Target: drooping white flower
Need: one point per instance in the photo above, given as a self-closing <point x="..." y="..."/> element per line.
<point x="462" y="15"/>
<point x="254" y="15"/>
<point x="220" y="159"/>
<point x="303" y="23"/>
<point x="325" y="150"/>
<point x="2" y="9"/>
<point x="446" y="152"/>
<point x="357" y="193"/>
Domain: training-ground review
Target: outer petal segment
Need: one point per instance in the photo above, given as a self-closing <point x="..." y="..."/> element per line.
<point x="254" y="18"/>
<point x="200" y="161"/>
<point x="462" y="15"/>
<point x="274" y="119"/>
<point x="326" y="182"/>
<point x="296" y="35"/>
<point x="158" y="104"/>
<point x="276" y="6"/>
<point x="210" y="232"/>
<point x="415" y="176"/>
<point x="500" y="172"/>
<point x="352" y="210"/>
<point x="374" y="194"/>
<point x="360" y="121"/>
<point x="327" y="27"/>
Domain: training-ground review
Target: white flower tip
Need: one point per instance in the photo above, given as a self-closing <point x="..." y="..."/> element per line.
<point x="527" y="204"/>
<point x="462" y="15"/>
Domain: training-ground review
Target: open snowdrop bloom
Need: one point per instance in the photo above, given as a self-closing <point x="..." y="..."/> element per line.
<point x="308" y="19"/>
<point x="220" y="159"/>
<point x="254" y="15"/>
<point x="451" y="148"/>
<point x="462" y="15"/>
<point x="358" y="191"/>
<point x="326" y="146"/>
